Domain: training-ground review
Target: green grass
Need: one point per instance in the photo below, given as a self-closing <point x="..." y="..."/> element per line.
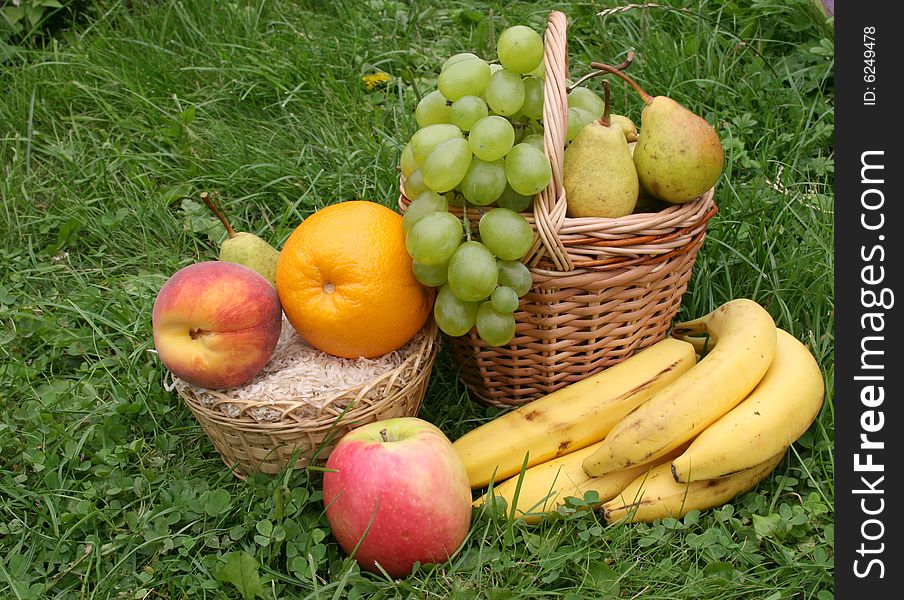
<point x="111" y="129"/>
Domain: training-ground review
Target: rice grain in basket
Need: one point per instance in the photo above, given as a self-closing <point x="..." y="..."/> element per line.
<point x="304" y="400"/>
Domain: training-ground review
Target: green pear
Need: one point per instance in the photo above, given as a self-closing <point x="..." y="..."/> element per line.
<point x="599" y="176"/>
<point x="679" y="156"/>
<point x="245" y="248"/>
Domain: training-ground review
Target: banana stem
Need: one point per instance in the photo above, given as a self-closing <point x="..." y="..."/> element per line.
<point x="205" y="197"/>
<point x="687" y="328"/>
<point x="701" y="344"/>
<point x="647" y="99"/>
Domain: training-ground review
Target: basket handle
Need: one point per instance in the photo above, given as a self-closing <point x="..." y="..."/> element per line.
<point x="549" y="204"/>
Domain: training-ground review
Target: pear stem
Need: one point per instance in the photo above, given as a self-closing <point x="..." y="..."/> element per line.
<point x="592" y="74"/>
<point x="205" y="197"/>
<point x="606" y="119"/>
<point x="647" y="99"/>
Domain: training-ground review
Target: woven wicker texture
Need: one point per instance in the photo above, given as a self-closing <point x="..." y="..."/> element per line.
<point x="603" y="288"/>
<point x="305" y="433"/>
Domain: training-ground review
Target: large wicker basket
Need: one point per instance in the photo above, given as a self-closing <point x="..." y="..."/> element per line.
<point x="295" y="434"/>
<point x="603" y="288"/>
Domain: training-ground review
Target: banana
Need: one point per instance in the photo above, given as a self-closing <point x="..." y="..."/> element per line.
<point x="744" y="335"/>
<point x="774" y="415"/>
<point x="572" y="417"/>
<point x="656" y="495"/>
<point x="545" y="487"/>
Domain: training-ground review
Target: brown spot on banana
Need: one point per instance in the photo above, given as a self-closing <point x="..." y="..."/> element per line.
<point x="531" y="415"/>
<point x="564" y="445"/>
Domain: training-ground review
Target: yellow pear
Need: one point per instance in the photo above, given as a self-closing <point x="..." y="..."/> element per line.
<point x="646" y="202"/>
<point x="627" y="126"/>
<point x="599" y="176"/>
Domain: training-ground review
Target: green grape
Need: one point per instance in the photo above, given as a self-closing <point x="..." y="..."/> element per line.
<point x="578" y="118"/>
<point x="587" y="99"/>
<point x="516" y="275"/>
<point x="434" y="238"/>
<point x="505" y="92"/>
<point x="453" y="316"/>
<point x="534" y="139"/>
<point x="427" y="138"/>
<point x="407" y="164"/>
<point x="446" y="166"/>
<point x="472" y="272"/>
<point x="484" y="181"/>
<point x="540" y="71"/>
<point x="495" y="67"/>
<point x="466" y="77"/>
<point x="458" y="58"/>
<point x="504" y="299"/>
<point x="512" y="200"/>
<point x="414" y="184"/>
<point x="527" y="169"/>
<point x="532" y="107"/>
<point x="505" y="233"/>
<point x="424" y="204"/>
<point x="432" y="109"/>
<point x="430" y="275"/>
<point x="467" y="110"/>
<point x="519" y="49"/>
<point x="493" y="327"/>
<point x="491" y="138"/>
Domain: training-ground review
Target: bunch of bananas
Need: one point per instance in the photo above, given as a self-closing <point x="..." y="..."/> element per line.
<point x="687" y="423"/>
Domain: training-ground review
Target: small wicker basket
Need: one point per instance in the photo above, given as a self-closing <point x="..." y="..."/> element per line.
<point x="603" y="288"/>
<point x="295" y="430"/>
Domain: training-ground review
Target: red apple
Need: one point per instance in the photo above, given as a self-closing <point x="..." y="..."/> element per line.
<point x="216" y="324"/>
<point x="398" y="487"/>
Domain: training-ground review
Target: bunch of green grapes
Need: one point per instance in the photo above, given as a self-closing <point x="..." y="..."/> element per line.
<point x="480" y="142"/>
<point x="480" y="132"/>
<point x="479" y="274"/>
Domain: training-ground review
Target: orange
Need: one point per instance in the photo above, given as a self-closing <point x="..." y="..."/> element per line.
<point x="345" y="282"/>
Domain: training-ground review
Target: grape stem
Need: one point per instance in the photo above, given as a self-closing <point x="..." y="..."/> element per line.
<point x="624" y="65"/>
<point x="464" y="218"/>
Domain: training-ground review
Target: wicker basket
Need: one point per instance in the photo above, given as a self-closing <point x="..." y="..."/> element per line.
<point x="603" y="288"/>
<point x="300" y="432"/>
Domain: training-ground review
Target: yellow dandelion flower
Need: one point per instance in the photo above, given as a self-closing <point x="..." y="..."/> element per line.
<point x="375" y="79"/>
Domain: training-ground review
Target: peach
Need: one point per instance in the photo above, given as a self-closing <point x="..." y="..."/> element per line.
<point x="216" y="324"/>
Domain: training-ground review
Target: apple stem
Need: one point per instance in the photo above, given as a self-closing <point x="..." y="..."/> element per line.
<point x="647" y="99"/>
<point x="205" y="197"/>
<point x="383" y="435"/>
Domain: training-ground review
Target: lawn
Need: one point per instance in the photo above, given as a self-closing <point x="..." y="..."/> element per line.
<point x="111" y="125"/>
